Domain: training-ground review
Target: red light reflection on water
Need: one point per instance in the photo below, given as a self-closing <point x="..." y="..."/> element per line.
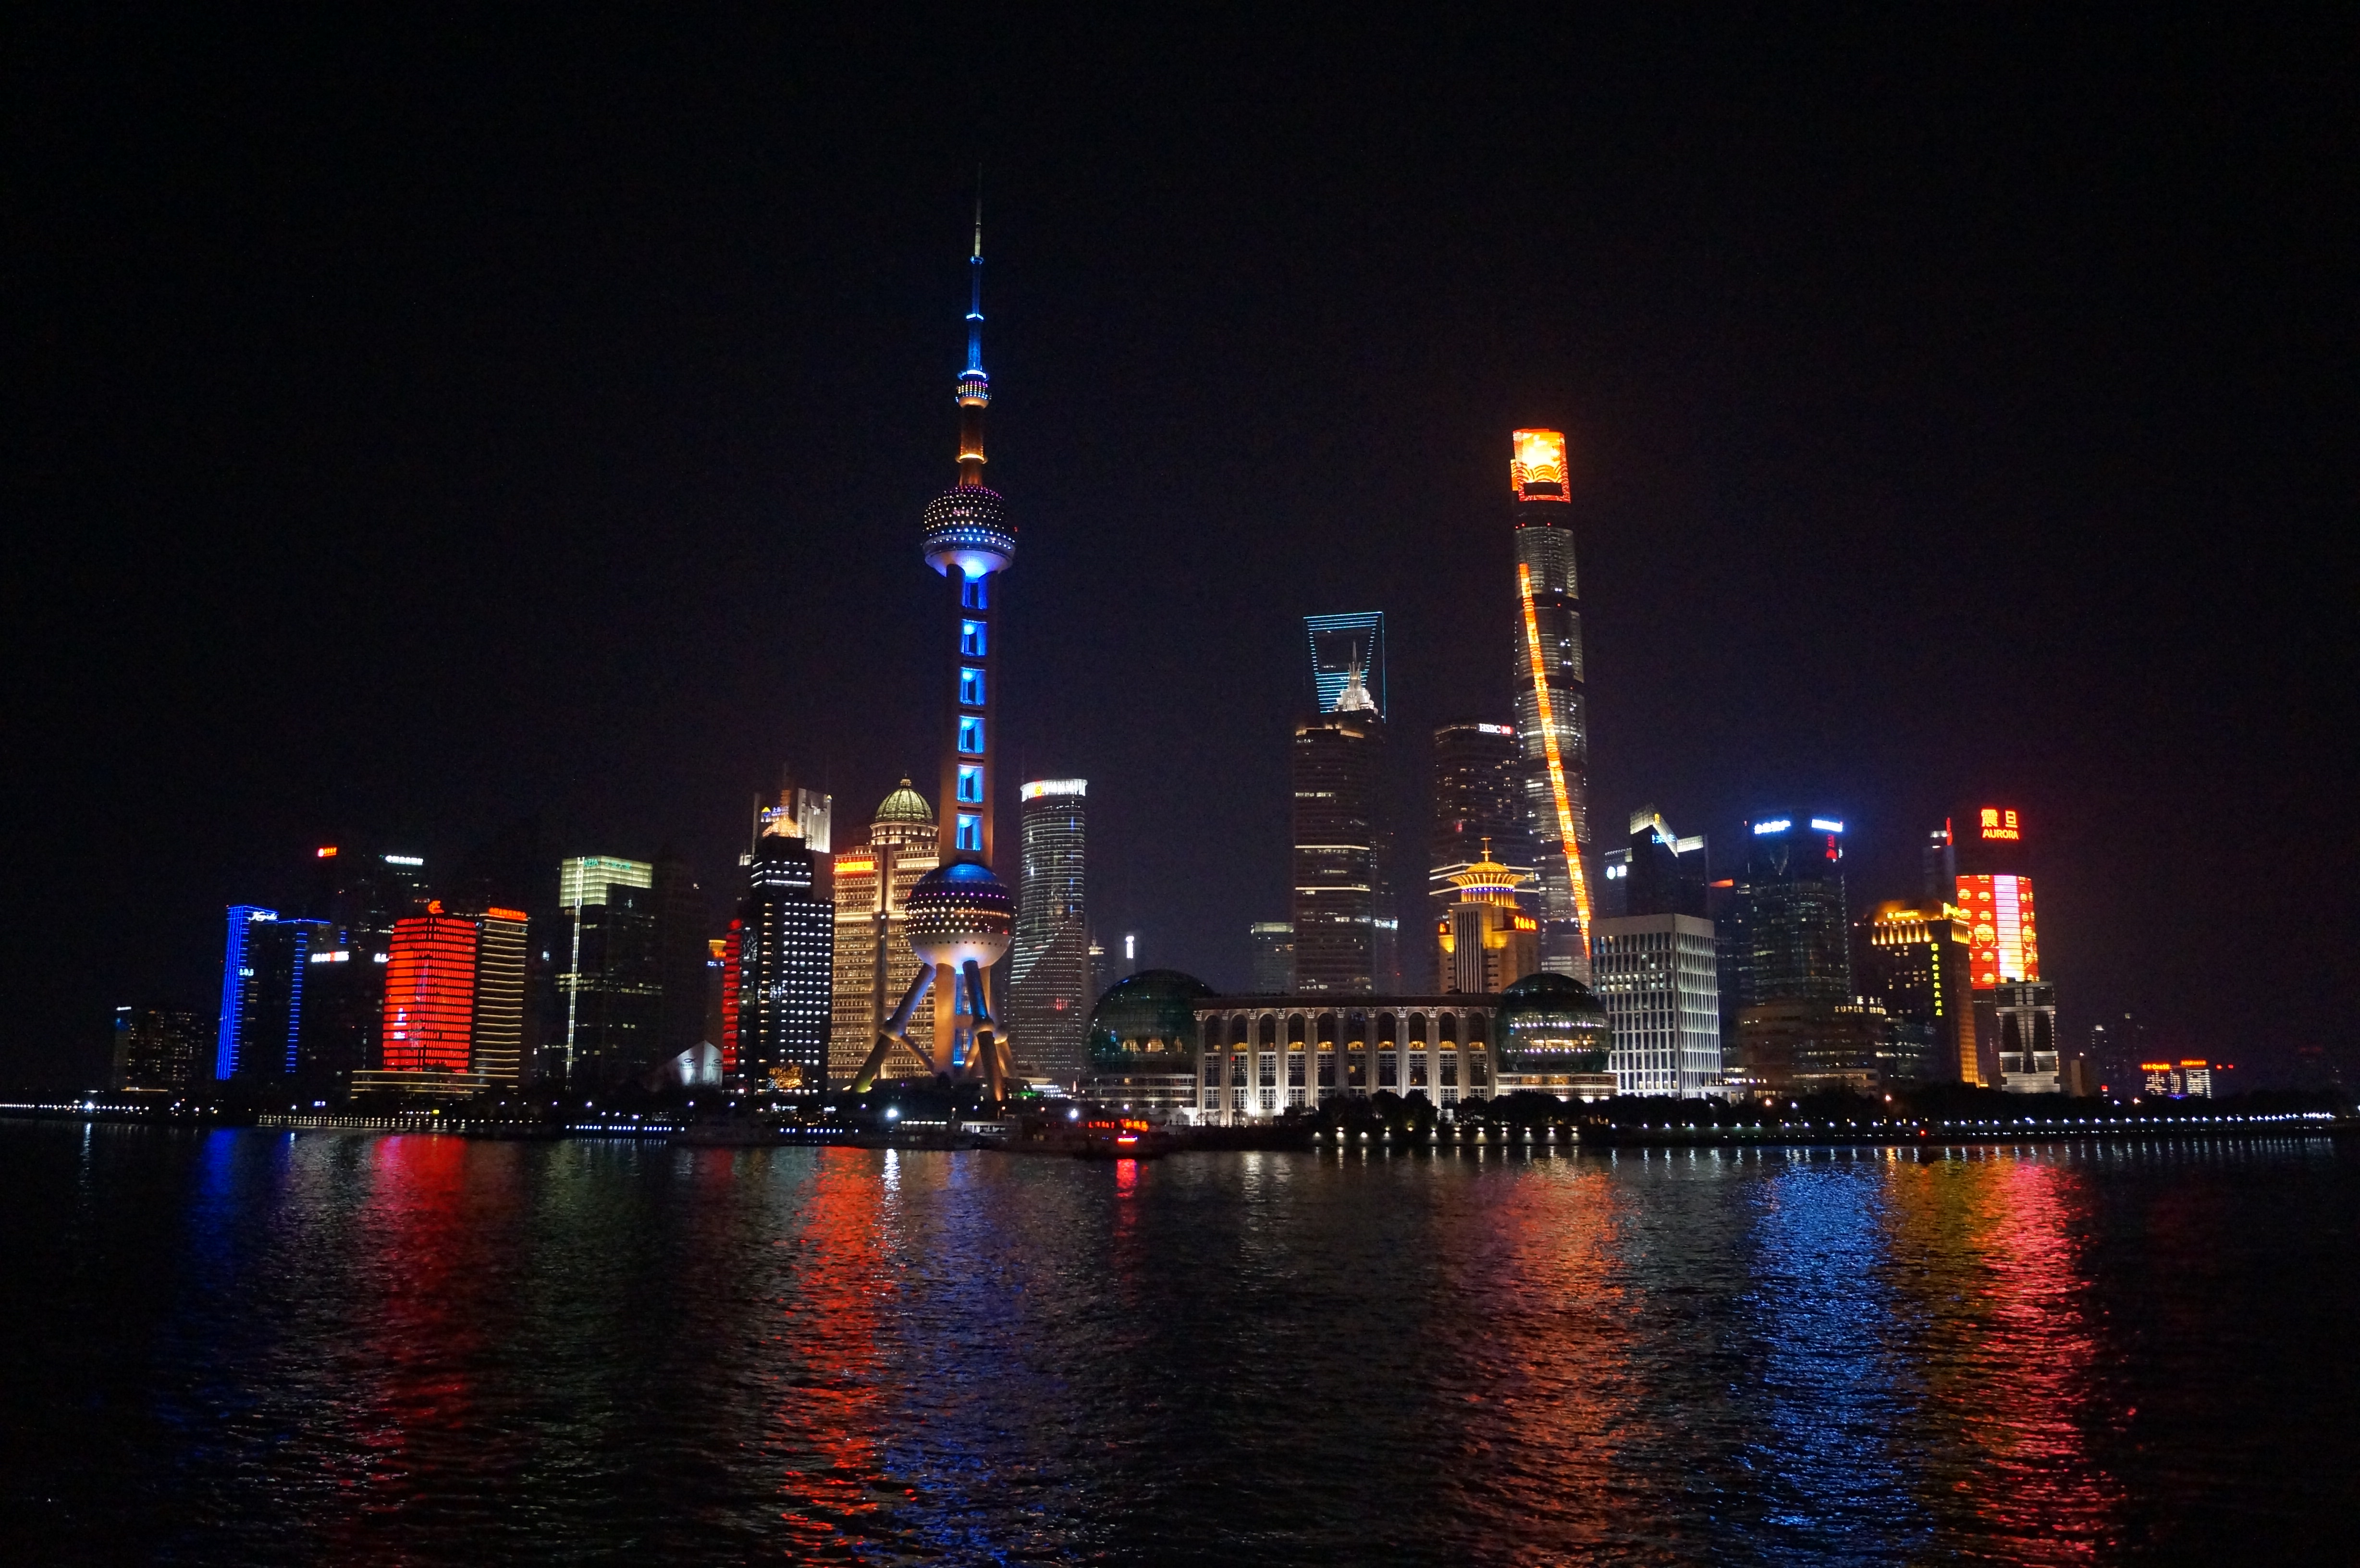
<point x="2006" y="1354"/>
<point x="830" y="1410"/>
<point x="422" y="1333"/>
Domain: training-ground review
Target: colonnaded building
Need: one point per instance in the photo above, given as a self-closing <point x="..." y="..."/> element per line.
<point x="1163" y="1041"/>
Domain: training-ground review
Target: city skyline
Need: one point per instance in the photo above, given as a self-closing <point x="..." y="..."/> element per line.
<point x="485" y="502"/>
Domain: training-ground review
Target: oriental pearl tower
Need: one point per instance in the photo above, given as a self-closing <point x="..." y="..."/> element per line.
<point x="960" y="913"/>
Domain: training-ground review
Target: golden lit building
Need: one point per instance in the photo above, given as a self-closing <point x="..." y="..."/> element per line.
<point x="874" y="964"/>
<point x="1916" y="964"/>
<point x="1485" y="942"/>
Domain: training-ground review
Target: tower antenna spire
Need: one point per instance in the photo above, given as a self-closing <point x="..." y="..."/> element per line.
<point x="975" y="301"/>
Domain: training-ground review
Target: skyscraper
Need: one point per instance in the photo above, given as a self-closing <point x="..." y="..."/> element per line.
<point x="1551" y="702"/>
<point x="1657" y="963"/>
<point x="429" y="1000"/>
<point x="806" y="814"/>
<point x="1049" y="965"/>
<point x="1913" y="963"/>
<point x="1273" y="956"/>
<point x="683" y="934"/>
<point x="1657" y="974"/>
<point x="155" y="1048"/>
<point x="359" y="896"/>
<point x="874" y="962"/>
<point x="1786" y="944"/>
<point x="610" y="974"/>
<point x="265" y="965"/>
<point x="1342" y="644"/>
<point x="496" y="1042"/>
<point x="1660" y="873"/>
<point x="1478" y="798"/>
<point x="1939" y="861"/>
<point x="1338" y="768"/>
<point x="1792" y="942"/>
<point x="786" y="963"/>
<point x="2014" y="1008"/>
<point x="728" y="960"/>
<point x="1485" y="944"/>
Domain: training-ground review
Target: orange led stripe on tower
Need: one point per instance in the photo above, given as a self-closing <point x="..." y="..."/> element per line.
<point x="1556" y="758"/>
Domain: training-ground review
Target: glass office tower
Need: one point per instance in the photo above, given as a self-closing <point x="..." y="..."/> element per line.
<point x="1338" y="829"/>
<point x="786" y="966"/>
<point x="1049" y="963"/>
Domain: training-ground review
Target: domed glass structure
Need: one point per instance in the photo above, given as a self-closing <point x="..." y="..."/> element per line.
<point x="1147" y="1023"/>
<point x="1550" y="1028"/>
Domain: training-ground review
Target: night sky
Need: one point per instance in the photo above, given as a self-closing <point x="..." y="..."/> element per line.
<point x="428" y="434"/>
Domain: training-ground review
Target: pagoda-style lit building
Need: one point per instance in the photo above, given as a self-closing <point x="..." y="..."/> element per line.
<point x="1486" y="942"/>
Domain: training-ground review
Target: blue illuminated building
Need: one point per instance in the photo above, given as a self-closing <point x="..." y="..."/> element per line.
<point x="263" y="967"/>
<point x="1342" y="643"/>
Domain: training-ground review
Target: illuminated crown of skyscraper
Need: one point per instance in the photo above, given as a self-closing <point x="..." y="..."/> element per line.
<point x="1487" y="881"/>
<point x="1356" y="698"/>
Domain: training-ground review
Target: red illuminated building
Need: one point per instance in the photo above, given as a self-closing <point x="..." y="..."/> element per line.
<point x="429" y="995"/>
<point x="2014" y="1008"/>
<point x="1997" y="896"/>
<point x="732" y="949"/>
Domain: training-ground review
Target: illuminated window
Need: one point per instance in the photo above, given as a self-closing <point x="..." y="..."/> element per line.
<point x="971" y="639"/>
<point x="970" y="832"/>
<point x="975" y="593"/>
<point x="971" y="687"/>
<point x="970" y="736"/>
<point x="970" y="786"/>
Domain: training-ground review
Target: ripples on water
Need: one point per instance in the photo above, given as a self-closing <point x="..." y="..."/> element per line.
<point x="259" y="1347"/>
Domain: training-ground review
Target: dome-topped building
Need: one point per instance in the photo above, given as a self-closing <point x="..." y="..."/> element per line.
<point x="1147" y="1022"/>
<point x="874" y="964"/>
<point x="1551" y="1033"/>
<point x="1142" y="1041"/>
<point x="903" y="819"/>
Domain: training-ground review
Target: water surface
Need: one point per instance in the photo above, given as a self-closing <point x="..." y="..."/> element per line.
<point x="247" y="1347"/>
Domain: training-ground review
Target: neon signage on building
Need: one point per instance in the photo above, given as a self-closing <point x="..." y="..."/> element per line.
<point x="2000" y="822"/>
<point x="2001" y="943"/>
<point x="1538" y="469"/>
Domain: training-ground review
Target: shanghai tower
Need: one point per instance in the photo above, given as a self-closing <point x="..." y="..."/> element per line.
<point x="1552" y="706"/>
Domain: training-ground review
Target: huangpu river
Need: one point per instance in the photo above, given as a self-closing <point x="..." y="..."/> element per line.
<point x="266" y="1347"/>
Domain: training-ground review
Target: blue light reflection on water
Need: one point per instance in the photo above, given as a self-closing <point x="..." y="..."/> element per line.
<point x="1835" y="1394"/>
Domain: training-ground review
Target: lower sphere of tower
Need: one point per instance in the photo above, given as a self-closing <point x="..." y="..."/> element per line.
<point x="958" y="912"/>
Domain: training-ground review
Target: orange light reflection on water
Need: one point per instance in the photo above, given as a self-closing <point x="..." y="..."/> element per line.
<point x="1549" y="1409"/>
